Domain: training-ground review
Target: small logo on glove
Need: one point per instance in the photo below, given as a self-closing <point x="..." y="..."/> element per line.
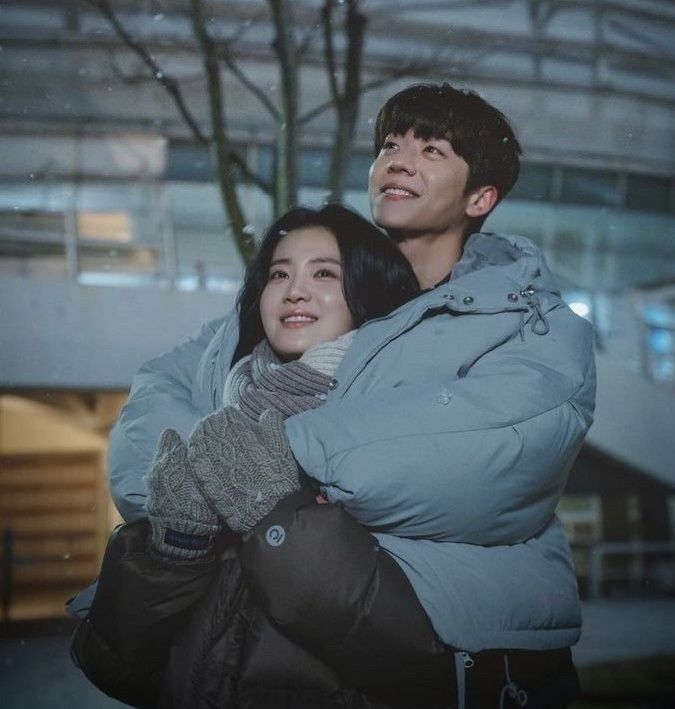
<point x="275" y="535"/>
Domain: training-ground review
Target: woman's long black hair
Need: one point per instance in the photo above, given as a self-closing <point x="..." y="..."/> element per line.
<point x="376" y="277"/>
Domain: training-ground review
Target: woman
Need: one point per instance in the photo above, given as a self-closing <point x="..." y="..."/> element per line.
<point x="317" y="277"/>
<point x="172" y="623"/>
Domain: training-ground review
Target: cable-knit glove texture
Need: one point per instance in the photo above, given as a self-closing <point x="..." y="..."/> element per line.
<point x="243" y="468"/>
<point x="183" y="525"/>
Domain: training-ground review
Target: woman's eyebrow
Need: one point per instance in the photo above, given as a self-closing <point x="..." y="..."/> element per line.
<point x="318" y="259"/>
<point x="327" y="259"/>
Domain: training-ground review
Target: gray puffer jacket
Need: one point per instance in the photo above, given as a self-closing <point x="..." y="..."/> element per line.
<point x="449" y="432"/>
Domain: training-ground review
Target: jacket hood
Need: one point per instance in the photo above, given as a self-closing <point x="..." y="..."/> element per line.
<point x="498" y="265"/>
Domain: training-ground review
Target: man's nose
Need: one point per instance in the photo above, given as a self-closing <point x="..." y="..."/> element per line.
<point x="403" y="161"/>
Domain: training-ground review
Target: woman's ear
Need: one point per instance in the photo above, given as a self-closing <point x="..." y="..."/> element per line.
<point x="481" y="201"/>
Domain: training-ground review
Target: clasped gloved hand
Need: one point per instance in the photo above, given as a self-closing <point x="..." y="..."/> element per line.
<point x="242" y="468"/>
<point x="183" y="524"/>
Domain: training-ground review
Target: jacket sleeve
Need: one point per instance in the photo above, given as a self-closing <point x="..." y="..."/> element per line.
<point x="123" y="645"/>
<point x="160" y="397"/>
<point x="324" y="582"/>
<point x="481" y="460"/>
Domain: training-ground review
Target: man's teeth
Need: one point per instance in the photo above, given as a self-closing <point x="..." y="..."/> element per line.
<point x="399" y="191"/>
<point x="298" y="318"/>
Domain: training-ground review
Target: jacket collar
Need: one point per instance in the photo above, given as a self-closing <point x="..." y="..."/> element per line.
<point x="495" y="273"/>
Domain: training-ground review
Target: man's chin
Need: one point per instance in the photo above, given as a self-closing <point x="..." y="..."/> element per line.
<point x="396" y="230"/>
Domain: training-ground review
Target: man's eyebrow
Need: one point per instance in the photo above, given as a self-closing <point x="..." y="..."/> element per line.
<point x="427" y="138"/>
<point x="437" y="137"/>
<point x="318" y="259"/>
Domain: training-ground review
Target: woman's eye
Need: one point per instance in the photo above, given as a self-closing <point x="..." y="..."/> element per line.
<point x="325" y="273"/>
<point x="434" y="150"/>
<point x="389" y="145"/>
<point x="275" y="275"/>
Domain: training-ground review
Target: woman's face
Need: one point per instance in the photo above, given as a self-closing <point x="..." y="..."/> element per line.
<point x="303" y="302"/>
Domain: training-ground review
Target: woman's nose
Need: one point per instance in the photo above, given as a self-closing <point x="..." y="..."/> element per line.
<point x="297" y="289"/>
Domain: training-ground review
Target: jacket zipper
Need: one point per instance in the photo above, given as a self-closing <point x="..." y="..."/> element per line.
<point x="463" y="662"/>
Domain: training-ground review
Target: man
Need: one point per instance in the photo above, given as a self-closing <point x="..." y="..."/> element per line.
<point x="449" y="431"/>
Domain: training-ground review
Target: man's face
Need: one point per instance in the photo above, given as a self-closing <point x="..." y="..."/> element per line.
<point x="416" y="187"/>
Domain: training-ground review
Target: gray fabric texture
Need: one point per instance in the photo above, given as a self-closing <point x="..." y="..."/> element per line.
<point x="243" y="468"/>
<point x="262" y="381"/>
<point x="183" y="525"/>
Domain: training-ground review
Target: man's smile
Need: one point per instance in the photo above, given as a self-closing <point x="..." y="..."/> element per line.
<point x="397" y="191"/>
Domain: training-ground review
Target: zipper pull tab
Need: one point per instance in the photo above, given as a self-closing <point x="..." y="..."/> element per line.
<point x="468" y="661"/>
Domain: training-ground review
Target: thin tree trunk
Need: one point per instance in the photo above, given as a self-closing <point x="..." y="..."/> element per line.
<point x="286" y="192"/>
<point x="221" y="143"/>
<point x="347" y="101"/>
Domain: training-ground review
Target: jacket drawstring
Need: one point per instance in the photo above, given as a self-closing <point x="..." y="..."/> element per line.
<point x="511" y="688"/>
<point x="540" y="324"/>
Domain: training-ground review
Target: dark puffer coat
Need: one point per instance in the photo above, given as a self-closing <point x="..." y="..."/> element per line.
<point x="175" y="634"/>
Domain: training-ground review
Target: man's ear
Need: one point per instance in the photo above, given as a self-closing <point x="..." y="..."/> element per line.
<point x="481" y="201"/>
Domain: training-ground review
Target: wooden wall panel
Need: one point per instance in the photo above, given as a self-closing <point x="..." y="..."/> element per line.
<point x="55" y="515"/>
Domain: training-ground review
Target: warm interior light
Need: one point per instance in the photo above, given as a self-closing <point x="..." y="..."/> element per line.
<point x="104" y="226"/>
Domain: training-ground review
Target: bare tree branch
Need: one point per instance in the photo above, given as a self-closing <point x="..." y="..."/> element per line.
<point x="306" y="41"/>
<point x="316" y="111"/>
<point x="231" y="64"/>
<point x="132" y="78"/>
<point x="408" y="70"/>
<point x="169" y="83"/>
<point x="248" y="174"/>
<point x="172" y="87"/>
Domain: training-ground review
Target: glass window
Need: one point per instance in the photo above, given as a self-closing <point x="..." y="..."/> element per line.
<point x="534" y="182"/>
<point x="581" y="186"/>
<point x="659" y="342"/>
<point x="647" y="193"/>
<point x="192" y="162"/>
<point x="581" y="516"/>
<point x="189" y="162"/>
<point x="265" y="161"/>
<point x="313" y="167"/>
<point x="357" y="170"/>
<point x="32" y="243"/>
<point x="118" y="232"/>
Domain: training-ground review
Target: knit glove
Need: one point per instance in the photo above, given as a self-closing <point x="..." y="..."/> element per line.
<point x="242" y="468"/>
<point x="183" y="525"/>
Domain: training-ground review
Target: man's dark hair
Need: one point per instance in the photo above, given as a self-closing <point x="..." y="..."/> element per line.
<point x="478" y="132"/>
<point x="376" y="277"/>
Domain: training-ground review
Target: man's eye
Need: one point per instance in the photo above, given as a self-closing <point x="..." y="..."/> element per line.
<point x="389" y="145"/>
